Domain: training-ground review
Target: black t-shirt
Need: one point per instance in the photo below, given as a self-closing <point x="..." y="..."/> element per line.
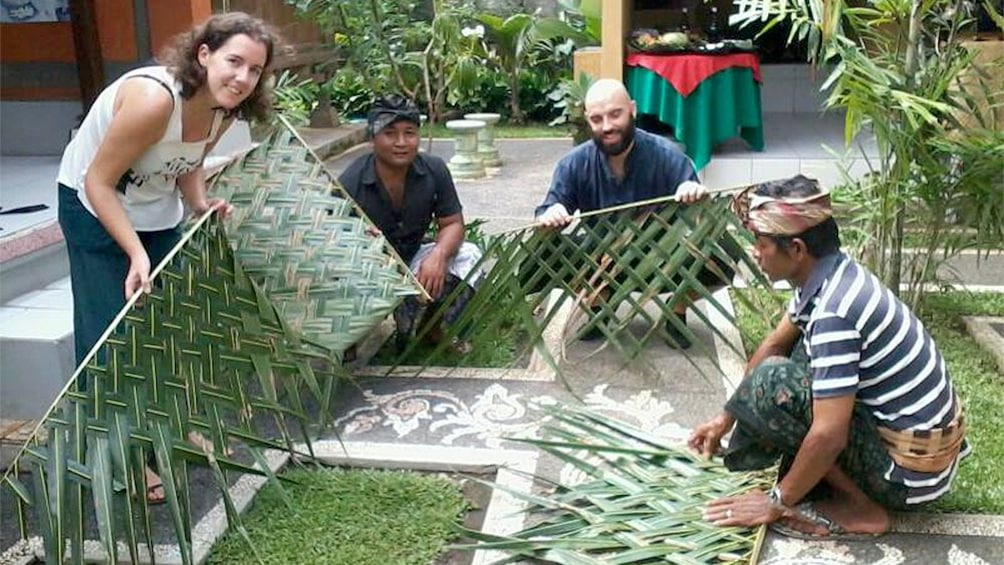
<point x="428" y="193"/>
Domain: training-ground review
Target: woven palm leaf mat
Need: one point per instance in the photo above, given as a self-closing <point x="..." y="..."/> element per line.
<point x="304" y="242"/>
<point x="206" y="352"/>
<point x="237" y="346"/>
<point x="620" y="267"/>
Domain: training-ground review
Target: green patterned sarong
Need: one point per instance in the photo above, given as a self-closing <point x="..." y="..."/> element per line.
<point x="773" y="411"/>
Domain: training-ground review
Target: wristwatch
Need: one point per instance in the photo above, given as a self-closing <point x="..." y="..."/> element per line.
<point x="774" y="495"/>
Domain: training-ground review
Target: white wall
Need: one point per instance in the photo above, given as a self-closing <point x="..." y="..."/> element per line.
<point x="792" y="89"/>
<point x="36" y="128"/>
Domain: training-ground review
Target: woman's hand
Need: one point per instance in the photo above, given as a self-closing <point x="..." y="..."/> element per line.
<point x="222" y="207"/>
<point x="138" y="277"/>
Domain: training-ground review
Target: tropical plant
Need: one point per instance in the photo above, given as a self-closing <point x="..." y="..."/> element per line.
<point x="585" y="16"/>
<point x="241" y="346"/>
<point x="351" y="96"/>
<point x="379" y="37"/>
<point x="640" y="500"/>
<point x="454" y="58"/>
<point x="569" y="98"/>
<point x="903" y="73"/>
<point x="513" y="43"/>
<point x="295" y="98"/>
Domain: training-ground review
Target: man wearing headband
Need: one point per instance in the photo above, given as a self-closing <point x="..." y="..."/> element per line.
<point x="622" y="164"/>
<point x="402" y="191"/>
<point x="849" y="391"/>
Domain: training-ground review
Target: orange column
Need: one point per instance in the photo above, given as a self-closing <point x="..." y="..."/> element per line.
<point x="171" y="17"/>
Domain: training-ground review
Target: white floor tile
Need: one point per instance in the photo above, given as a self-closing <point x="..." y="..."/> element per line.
<point x="777" y="96"/>
<point x="773" y="169"/>
<point x="25" y="181"/>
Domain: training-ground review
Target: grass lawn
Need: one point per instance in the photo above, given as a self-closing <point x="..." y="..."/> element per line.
<point x="349" y="517"/>
<point x="506" y="131"/>
<point x="979" y="486"/>
<point x="501" y="350"/>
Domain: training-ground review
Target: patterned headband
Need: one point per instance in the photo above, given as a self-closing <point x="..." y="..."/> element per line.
<point x="782" y="216"/>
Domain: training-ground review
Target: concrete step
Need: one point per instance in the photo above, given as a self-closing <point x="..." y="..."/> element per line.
<point x="36" y="349"/>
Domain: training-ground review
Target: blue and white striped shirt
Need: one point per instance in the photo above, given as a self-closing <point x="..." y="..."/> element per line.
<point x="862" y="340"/>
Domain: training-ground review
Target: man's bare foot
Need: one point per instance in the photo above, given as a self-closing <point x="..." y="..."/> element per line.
<point x="833" y="518"/>
<point x="862" y="517"/>
<point x="203" y="443"/>
<point x="155" y="493"/>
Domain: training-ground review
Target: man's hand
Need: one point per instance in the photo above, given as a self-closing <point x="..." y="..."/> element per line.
<point x="138" y="277"/>
<point x="706" y="438"/>
<point x="750" y="509"/>
<point x="432" y="273"/>
<point x="556" y="216"/>
<point x="689" y="192"/>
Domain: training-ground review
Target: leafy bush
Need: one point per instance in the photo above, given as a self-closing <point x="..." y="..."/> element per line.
<point x="295" y="98"/>
<point x="568" y="100"/>
<point x="350" y="95"/>
<point x="900" y="72"/>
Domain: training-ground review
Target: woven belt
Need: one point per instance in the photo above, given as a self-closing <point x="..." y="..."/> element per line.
<point x="926" y="451"/>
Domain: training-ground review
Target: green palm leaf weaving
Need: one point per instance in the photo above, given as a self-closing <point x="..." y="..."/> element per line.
<point x="639" y="500"/>
<point x="303" y="240"/>
<point x="238" y="342"/>
<point x="619" y="265"/>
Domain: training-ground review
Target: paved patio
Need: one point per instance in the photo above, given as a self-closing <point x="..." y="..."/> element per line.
<point x="442" y="419"/>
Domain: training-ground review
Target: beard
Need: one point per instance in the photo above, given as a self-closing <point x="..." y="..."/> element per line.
<point x="627" y="137"/>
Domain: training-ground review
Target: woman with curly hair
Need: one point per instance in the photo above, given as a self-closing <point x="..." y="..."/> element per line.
<point x="136" y="162"/>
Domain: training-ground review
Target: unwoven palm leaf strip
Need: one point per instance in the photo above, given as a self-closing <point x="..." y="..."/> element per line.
<point x="303" y="240"/>
<point x="642" y="502"/>
<point x="206" y="352"/>
<point x="635" y="261"/>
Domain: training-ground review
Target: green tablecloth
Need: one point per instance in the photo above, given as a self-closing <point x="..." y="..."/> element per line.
<point x="724" y="103"/>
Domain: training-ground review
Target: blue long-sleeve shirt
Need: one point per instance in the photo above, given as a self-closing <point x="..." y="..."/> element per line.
<point x="583" y="180"/>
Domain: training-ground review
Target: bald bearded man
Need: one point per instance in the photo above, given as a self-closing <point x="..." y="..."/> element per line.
<point x="622" y="164"/>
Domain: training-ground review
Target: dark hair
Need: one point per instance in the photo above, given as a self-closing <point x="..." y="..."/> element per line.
<point x="822" y="238"/>
<point x="181" y="57"/>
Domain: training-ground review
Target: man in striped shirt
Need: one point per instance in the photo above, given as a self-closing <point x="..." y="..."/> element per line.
<point x="863" y="408"/>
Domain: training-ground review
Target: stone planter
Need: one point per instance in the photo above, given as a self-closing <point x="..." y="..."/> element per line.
<point x="466" y="162"/>
<point x="486" y="139"/>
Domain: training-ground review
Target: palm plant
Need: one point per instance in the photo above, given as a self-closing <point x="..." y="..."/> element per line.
<point x="640" y="500"/>
<point x="295" y="98"/>
<point x="239" y="342"/>
<point x="569" y="97"/>
<point x="902" y="71"/>
<point x="513" y="41"/>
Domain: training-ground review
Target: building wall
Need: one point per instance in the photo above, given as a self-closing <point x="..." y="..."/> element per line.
<point x="39" y="84"/>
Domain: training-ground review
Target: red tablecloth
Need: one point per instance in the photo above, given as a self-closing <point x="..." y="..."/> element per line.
<point x="685" y="72"/>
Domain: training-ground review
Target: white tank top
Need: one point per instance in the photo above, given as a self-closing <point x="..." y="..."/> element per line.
<point x="148" y="190"/>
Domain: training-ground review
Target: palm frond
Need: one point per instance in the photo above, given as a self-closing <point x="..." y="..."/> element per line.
<point x="634" y="262"/>
<point x="246" y="356"/>
<point x="641" y="500"/>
